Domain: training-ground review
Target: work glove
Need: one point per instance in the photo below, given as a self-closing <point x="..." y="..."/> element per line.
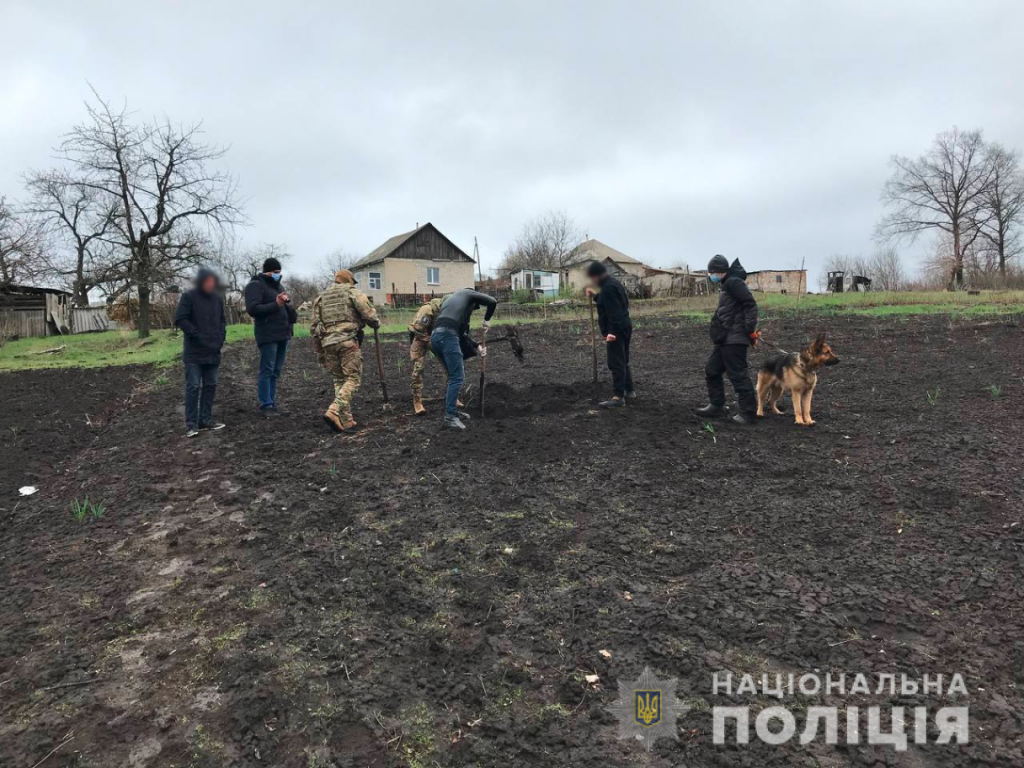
<point x="610" y="338"/>
<point x="486" y="325"/>
<point x="755" y="338"/>
<point x="482" y="350"/>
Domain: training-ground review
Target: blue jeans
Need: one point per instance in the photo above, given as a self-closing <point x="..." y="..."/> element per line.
<point x="272" y="356"/>
<point x="445" y="344"/>
<point x="200" y="389"/>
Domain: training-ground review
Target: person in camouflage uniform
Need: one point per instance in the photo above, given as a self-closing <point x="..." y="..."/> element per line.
<point x="338" y="317"/>
<point x="419" y="347"/>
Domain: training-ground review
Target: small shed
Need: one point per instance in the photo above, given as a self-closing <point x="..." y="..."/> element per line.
<point x="540" y="282"/>
<point x="27" y="311"/>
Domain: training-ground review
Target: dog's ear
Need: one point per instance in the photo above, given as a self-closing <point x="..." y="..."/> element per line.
<point x="819" y="341"/>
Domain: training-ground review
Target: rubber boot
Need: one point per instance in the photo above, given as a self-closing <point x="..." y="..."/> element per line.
<point x="712" y="411"/>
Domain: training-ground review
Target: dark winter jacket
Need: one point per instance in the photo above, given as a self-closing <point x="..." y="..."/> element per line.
<point x="736" y="316"/>
<point x="458" y="308"/>
<point x="200" y="316"/>
<point x="271" y="321"/>
<point x="612" y="307"/>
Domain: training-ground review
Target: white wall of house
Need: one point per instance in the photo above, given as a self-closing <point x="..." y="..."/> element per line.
<point x="420" y="276"/>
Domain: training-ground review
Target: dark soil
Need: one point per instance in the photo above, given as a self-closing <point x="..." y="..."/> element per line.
<point x="276" y="595"/>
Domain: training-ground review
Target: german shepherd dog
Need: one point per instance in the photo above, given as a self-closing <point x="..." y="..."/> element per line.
<point x="796" y="372"/>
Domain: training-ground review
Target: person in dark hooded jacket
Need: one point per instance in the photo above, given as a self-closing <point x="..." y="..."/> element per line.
<point x="273" y="317"/>
<point x="200" y="316"/>
<point x="733" y="330"/>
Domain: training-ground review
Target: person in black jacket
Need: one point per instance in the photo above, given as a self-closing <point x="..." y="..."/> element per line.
<point x="733" y="330"/>
<point x="616" y="328"/>
<point x="452" y="344"/>
<point x="273" y="317"/>
<point x="200" y="316"/>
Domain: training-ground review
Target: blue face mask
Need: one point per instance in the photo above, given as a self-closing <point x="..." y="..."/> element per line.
<point x="277" y="276"/>
<point x="715" y="278"/>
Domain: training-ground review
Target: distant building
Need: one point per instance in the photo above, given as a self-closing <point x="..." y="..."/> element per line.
<point x="778" y="281"/>
<point x="414" y="266"/>
<point x="574" y="275"/>
<point x="540" y="282"/>
<point x="27" y="311"/>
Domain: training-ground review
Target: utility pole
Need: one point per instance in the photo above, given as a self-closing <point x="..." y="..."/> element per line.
<point x="476" y="258"/>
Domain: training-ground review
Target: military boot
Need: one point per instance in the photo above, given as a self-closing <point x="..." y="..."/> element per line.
<point x="417" y="405"/>
<point x="334" y="421"/>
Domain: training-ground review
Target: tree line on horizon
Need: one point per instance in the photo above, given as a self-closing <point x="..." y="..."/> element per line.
<point x="134" y="206"/>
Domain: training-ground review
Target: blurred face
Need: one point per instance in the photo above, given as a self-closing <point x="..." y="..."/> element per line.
<point x="595" y="280"/>
<point x="275" y="275"/>
<point x="209" y="284"/>
<point x="717" y="277"/>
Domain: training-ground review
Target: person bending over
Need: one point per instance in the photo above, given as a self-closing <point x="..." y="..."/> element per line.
<point x="451" y="343"/>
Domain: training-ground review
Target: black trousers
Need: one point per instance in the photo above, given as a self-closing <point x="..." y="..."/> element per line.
<point x="730" y="359"/>
<point x="618" y="362"/>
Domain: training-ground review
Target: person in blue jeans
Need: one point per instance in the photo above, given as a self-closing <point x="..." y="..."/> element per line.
<point x="273" y="317"/>
<point x="451" y="344"/>
<point x="200" y="317"/>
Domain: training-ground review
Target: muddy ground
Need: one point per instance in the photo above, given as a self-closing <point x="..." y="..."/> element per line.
<point x="275" y="595"/>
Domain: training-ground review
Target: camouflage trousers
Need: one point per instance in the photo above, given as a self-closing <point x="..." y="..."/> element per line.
<point x="418" y="352"/>
<point x="345" y="363"/>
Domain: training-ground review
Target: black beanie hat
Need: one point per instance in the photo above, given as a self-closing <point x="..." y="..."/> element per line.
<point x="596" y="269"/>
<point x="271" y="265"/>
<point x="718" y="264"/>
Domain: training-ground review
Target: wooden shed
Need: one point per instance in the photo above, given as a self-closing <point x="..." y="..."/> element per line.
<point x="27" y="311"/>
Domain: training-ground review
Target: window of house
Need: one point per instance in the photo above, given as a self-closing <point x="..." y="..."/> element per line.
<point x="778" y="278"/>
<point x="375" y="281"/>
<point x="529" y="279"/>
<point x="433" y="276"/>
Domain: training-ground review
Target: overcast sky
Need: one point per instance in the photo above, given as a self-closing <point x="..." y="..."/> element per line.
<point x="669" y="130"/>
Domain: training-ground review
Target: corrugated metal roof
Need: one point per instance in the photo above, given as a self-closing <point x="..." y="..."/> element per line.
<point x="381" y="252"/>
<point x="595" y="250"/>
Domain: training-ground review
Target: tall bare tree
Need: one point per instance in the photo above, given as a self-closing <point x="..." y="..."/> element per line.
<point x="944" y="189"/>
<point x="20" y="245"/>
<point x="1002" y="211"/>
<point x="78" y="219"/>
<point x="546" y="242"/>
<point x="885" y="268"/>
<point x="161" y="178"/>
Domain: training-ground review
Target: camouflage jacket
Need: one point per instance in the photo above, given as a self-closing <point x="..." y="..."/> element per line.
<point x="339" y="313"/>
<point x="423" y="324"/>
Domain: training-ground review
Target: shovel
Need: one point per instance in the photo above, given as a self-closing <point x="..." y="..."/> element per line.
<point x="483" y="377"/>
<point x="593" y="339"/>
<point x="380" y="368"/>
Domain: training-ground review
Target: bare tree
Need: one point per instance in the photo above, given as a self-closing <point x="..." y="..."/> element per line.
<point x="20" y="245"/>
<point x="886" y="270"/>
<point x="547" y="242"/>
<point x="1002" y="211"/>
<point x="237" y="266"/>
<point x="944" y="189"/>
<point x="79" y="219"/>
<point x="159" y="177"/>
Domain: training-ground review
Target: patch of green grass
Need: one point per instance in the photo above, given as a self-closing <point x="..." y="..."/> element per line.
<point x="225" y="639"/>
<point x="933" y="396"/>
<point x="420" y="742"/>
<point x="81" y="510"/>
<point x="995" y="390"/>
<point x="99" y="350"/>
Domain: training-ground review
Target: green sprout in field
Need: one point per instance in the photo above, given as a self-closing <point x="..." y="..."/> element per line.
<point x="709" y="427"/>
<point x="80" y="510"/>
<point x="933" y="396"/>
<point x="995" y="390"/>
<point x="162" y="381"/>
